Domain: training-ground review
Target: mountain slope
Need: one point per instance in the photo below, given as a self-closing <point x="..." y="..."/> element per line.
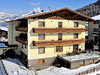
<point x="91" y="9"/>
<point x="7" y="17"/>
<point x="4" y="17"/>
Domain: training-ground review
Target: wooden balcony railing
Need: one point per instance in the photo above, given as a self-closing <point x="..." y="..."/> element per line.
<point x="49" y="30"/>
<point x="21" y="40"/>
<point x="60" y="42"/>
<point x="22" y="29"/>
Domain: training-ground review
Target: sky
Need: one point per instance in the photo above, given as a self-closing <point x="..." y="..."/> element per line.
<point x="22" y="6"/>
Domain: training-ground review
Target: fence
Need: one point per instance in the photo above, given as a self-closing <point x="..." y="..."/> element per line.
<point x="90" y="70"/>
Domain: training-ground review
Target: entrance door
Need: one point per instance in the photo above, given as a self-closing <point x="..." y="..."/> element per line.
<point x="75" y="49"/>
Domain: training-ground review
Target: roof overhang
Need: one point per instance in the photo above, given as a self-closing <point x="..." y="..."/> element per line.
<point x="63" y="12"/>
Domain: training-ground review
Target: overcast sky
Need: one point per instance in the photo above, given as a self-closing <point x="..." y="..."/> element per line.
<point x="21" y="6"/>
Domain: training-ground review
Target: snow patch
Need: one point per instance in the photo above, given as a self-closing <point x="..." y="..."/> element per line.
<point x="15" y="67"/>
<point x="96" y="17"/>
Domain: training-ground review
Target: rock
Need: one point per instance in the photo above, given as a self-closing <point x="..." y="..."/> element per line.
<point x="91" y="9"/>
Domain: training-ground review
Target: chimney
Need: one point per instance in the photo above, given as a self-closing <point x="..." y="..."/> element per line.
<point x="50" y="8"/>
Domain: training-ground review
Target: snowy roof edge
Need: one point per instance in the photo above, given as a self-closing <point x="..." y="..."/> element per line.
<point x="52" y="11"/>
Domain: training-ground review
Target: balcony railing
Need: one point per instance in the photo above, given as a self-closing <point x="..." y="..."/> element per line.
<point x="60" y="42"/>
<point x="21" y="40"/>
<point x="22" y="29"/>
<point x="49" y="30"/>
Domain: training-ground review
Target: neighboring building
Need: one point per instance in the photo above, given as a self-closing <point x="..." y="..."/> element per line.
<point x="86" y="32"/>
<point x="91" y="10"/>
<point x="43" y="36"/>
<point x="3" y="34"/>
<point x="93" y="29"/>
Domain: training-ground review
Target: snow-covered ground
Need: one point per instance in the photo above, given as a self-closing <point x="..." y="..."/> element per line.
<point x="64" y="71"/>
<point x="2" y="71"/>
<point x="15" y="67"/>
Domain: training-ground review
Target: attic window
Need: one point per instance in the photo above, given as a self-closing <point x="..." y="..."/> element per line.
<point x="65" y="14"/>
<point x="70" y="14"/>
<point x="54" y="14"/>
<point x="60" y="11"/>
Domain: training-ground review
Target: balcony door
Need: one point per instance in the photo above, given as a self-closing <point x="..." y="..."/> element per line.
<point x="60" y="36"/>
<point x="75" y="49"/>
<point x="59" y="24"/>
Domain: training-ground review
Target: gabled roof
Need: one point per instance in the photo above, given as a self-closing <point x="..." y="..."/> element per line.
<point x="63" y="12"/>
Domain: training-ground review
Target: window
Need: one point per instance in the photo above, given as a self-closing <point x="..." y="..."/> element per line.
<point x="59" y="48"/>
<point x="60" y="36"/>
<point x="22" y="46"/>
<point x="91" y="61"/>
<point x="66" y="14"/>
<point x="53" y="14"/>
<point x="41" y="61"/>
<point x="75" y="35"/>
<point x="82" y="63"/>
<point x="41" y="50"/>
<point x="59" y="24"/>
<point x="96" y="22"/>
<point x="76" y="24"/>
<point x="25" y="46"/>
<point x="41" y="24"/>
<point x="41" y="36"/>
<point x="95" y="29"/>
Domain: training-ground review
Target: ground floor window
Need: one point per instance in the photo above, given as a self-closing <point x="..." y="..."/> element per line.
<point x="82" y="63"/>
<point x="91" y="61"/>
<point x="59" y="48"/>
<point x="75" y="48"/>
<point x="41" y="61"/>
<point x="41" y="50"/>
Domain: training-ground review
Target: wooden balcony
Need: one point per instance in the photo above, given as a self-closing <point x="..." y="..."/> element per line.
<point x="56" y="30"/>
<point x="60" y="42"/>
<point x="21" y="40"/>
<point x="22" y="29"/>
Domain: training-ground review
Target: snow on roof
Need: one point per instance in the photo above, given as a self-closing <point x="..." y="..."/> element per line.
<point x="4" y="28"/>
<point x="96" y="17"/>
<point x="18" y="67"/>
<point x="64" y="71"/>
<point x="80" y="57"/>
<point x="15" y="67"/>
<point x="36" y="14"/>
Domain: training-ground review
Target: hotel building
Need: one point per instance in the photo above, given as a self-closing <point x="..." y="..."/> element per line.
<point x="43" y="36"/>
